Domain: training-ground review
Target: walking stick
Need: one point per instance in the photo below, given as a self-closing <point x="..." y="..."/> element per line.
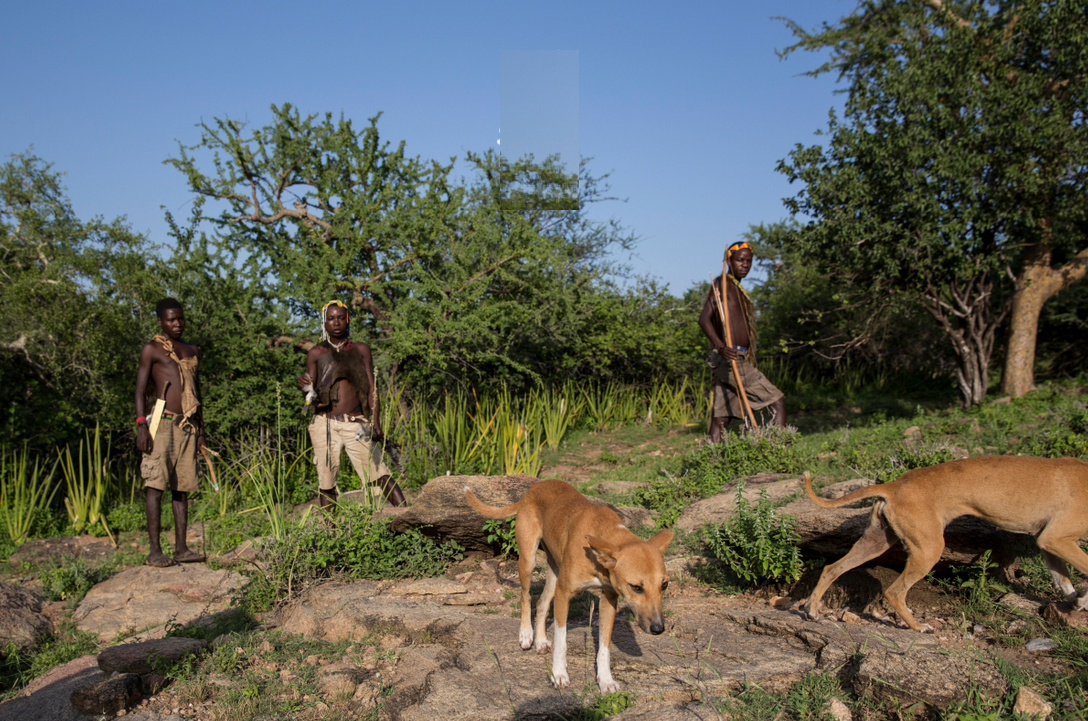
<point x="722" y="304"/>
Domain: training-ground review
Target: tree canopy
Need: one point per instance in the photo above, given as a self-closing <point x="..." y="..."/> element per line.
<point x="959" y="162"/>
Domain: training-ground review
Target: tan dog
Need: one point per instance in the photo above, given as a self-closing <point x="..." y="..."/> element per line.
<point x="1045" y="497"/>
<point x="587" y="547"/>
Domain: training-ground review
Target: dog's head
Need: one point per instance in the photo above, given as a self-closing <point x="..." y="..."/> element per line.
<point x="636" y="571"/>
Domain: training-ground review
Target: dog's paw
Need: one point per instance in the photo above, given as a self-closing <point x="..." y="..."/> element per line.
<point x="561" y="679"/>
<point x="543" y="647"/>
<point x="925" y="628"/>
<point x="608" y="686"/>
<point x="1080" y="602"/>
<point x="526" y="638"/>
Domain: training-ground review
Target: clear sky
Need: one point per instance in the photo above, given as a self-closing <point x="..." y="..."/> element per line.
<point x="685" y="104"/>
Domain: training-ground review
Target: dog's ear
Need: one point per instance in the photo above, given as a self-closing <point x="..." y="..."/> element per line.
<point x="662" y="540"/>
<point x="605" y="551"/>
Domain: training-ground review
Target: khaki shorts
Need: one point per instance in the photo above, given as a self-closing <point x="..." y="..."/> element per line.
<point x="760" y="391"/>
<point x="171" y="464"/>
<point x="364" y="454"/>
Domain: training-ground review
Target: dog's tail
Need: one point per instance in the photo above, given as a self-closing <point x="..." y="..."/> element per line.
<point x="879" y="489"/>
<point x="490" y="511"/>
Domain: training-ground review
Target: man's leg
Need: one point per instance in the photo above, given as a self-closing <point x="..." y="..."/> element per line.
<point x="392" y="491"/>
<point x="153" y="508"/>
<point x="717" y="428"/>
<point x="182" y="552"/>
<point x="327" y="446"/>
<point x="326" y="499"/>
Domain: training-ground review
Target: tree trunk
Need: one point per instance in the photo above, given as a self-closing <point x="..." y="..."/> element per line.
<point x="1037" y="284"/>
<point x="965" y="314"/>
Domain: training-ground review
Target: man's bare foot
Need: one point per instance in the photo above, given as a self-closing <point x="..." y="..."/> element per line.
<point x="159" y="559"/>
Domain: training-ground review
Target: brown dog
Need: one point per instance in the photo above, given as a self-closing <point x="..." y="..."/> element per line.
<point x="587" y="547"/>
<point x="1045" y="497"/>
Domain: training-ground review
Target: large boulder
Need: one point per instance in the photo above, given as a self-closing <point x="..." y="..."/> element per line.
<point x="47" y="698"/>
<point x="138" y="657"/>
<point x="38" y="551"/>
<point x="441" y="508"/>
<point x="832" y="532"/>
<point x="719" y="508"/>
<point x="22" y="620"/>
<point x="142" y="600"/>
<point x="106" y="695"/>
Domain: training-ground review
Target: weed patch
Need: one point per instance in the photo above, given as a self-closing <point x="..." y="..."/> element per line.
<point x="756" y="543"/>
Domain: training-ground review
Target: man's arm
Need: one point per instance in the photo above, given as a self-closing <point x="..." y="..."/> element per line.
<point x="143" y="372"/>
<point x="375" y="404"/>
<point x="311" y="368"/>
<point x="706" y="322"/>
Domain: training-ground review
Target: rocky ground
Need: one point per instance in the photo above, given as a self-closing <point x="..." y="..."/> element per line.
<point x="447" y="647"/>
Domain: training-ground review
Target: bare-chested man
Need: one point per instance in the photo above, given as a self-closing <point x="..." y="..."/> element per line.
<point x="760" y="392"/>
<point x="347" y="415"/>
<point x="170" y="459"/>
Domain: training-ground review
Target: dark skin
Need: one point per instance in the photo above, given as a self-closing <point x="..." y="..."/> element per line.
<point x="740" y="264"/>
<point x="337" y="326"/>
<point x="158" y="369"/>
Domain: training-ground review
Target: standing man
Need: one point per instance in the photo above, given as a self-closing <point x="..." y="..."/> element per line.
<point x="340" y="375"/>
<point x="760" y="392"/>
<point x="169" y="459"/>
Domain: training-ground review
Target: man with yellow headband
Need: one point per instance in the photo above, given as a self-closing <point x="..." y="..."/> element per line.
<point x="339" y="380"/>
<point x="760" y="392"/>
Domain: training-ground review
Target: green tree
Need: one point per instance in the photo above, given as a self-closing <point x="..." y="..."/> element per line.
<point x="71" y="292"/>
<point x="960" y="160"/>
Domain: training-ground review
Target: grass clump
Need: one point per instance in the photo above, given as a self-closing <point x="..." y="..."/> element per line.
<point x="70" y="579"/>
<point x="354" y="546"/>
<point x="756" y="543"/>
<point x="709" y="468"/>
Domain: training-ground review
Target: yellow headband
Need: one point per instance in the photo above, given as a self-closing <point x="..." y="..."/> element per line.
<point x="737" y="246"/>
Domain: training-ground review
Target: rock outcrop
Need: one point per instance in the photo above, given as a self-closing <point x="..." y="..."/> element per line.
<point x="22" y="618"/>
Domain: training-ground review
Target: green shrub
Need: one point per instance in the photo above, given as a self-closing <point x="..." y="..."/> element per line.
<point x="353" y="545"/>
<point x="756" y="543"/>
<point x="1068" y="438"/>
<point x="503" y="532"/>
<point x="70" y="580"/>
<point x="709" y="468"/>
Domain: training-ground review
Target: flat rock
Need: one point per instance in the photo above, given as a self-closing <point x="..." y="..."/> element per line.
<point x="142" y="600"/>
<point x="456" y="664"/>
<point x="137" y="657"/>
<point x="719" y="508"/>
<point x="430" y="587"/>
<point x="441" y="509"/>
<point x="22" y="618"/>
<point x="47" y="698"/>
<point x="37" y="551"/>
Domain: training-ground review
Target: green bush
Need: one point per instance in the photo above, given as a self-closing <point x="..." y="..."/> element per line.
<point x="503" y="532"/>
<point x="709" y="468"/>
<point x="756" y="543"/>
<point x="353" y="545"/>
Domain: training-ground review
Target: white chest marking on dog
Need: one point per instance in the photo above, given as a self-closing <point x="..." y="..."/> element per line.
<point x="591" y="583"/>
<point x="620" y="525"/>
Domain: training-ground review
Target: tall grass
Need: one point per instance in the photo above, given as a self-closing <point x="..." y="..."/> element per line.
<point x="24" y="492"/>
<point x="88" y="479"/>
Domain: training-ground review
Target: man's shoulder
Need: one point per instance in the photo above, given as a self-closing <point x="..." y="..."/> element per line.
<point x="318" y="349"/>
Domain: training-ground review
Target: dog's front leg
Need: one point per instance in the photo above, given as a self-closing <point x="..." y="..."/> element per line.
<point x="559" y="637"/>
<point x="542" y="605"/>
<point x="604" y="643"/>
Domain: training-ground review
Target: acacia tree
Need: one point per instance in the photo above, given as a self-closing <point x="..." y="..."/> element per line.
<point x="457" y="287"/>
<point x="957" y="163"/>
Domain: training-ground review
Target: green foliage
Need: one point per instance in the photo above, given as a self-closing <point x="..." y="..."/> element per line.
<point x="605" y="706"/>
<point x="933" y="183"/>
<point x="1066" y="439"/>
<point x="24" y="492"/>
<point x="757" y="543"/>
<point x="706" y="470"/>
<point x="69" y="338"/>
<point x="352" y="545"/>
<point x="502" y="531"/>
<point x="70" y="579"/>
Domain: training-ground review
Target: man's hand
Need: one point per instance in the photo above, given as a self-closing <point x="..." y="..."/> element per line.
<point x="304" y="380"/>
<point x="143" y="438"/>
<point x="376" y="434"/>
<point x="730" y="354"/>
<point x="201" y="441"/>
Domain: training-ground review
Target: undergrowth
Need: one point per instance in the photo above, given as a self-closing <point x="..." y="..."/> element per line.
<point x="352" y="545"/>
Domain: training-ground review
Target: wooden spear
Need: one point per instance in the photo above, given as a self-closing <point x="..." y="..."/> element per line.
<point x="722" y="303"/>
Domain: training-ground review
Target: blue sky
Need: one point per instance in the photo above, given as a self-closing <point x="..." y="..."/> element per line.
<point x="686" y="105"/>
